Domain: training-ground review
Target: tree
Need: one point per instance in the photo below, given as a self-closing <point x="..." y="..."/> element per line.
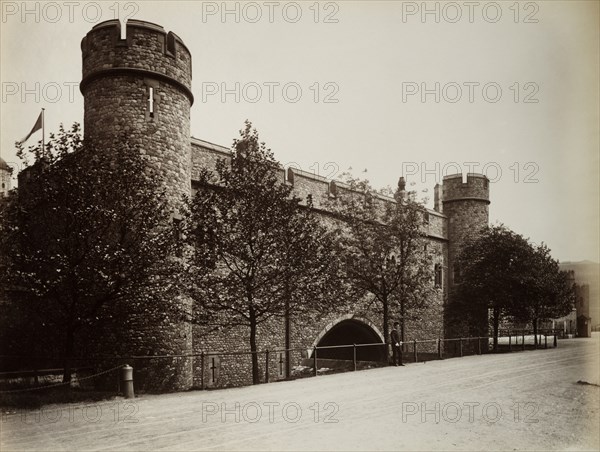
<point x="493" y="271"/>
<point x="256" y="253"/>
<point x="546" y="291"/>
<point x="88" y="236"/>
<point x="383" y="250"/>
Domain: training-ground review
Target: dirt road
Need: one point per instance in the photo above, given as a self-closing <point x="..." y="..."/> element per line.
<point x="520" y="401"/>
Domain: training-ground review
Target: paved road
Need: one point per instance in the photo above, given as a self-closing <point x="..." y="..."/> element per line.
<point x="520" y="401"/>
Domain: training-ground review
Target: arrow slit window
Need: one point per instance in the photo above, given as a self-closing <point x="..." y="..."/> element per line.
<point x="151" y="101"/>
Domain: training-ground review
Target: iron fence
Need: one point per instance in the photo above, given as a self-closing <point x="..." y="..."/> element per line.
<point x="230" y="369"/>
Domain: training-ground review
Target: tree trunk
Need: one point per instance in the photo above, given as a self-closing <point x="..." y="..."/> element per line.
<point x="288" y="339"/>
<point x="69" y="346"/>
<point x="386" y="320"/>
<point x="496" y="327"/>
<point x="402" y="322"/>
<point x="535" y="331"/>
<point x="255" y="373"/>
<point x="386" y="328"/>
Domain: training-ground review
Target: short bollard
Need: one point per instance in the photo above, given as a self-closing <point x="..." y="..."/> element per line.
<point x="202" y="370"/>
<point x="127" y="380"/>
<point x="267" y="366"/>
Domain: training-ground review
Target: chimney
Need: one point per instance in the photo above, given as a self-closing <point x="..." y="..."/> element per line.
<point x="437" y="195"/>
<point x="401" y="193"/>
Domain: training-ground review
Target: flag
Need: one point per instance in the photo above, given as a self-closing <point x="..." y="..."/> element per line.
<point x="37" y="126"/>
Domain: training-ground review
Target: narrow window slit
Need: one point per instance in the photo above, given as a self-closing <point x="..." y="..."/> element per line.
<point x="151" y="101"/>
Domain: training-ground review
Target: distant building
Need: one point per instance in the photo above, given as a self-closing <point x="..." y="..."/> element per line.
<point x="587" y="273"/>
<point x="5" y="177"/>
<point x="582" y="307"/>
<point x="577" y="322"/>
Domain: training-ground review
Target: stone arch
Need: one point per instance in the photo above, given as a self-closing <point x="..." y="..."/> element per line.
<point x="347" y="330"/>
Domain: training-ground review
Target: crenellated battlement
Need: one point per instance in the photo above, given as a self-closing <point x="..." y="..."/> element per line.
<point x="305" y="184"/>
<point x="320" y="188"/>
<point x="147" y="50"/>
<point x="476" y="188"/>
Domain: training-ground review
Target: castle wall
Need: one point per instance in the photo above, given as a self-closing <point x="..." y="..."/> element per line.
<point x="205" y="156"/>
<point x="308" y="184"/>
<point x="437" y="226"/>
<point x="236" y="370"/>
<point x="141" y="86"/>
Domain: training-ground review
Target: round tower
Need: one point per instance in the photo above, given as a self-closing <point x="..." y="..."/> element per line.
<point x="140" y="87"/>
<point x="466" y="204"/>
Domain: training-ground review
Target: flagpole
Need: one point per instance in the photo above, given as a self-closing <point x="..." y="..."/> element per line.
<point x="43" y="134"/>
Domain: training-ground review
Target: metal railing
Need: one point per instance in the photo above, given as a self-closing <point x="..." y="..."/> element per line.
<point x="227" y="369"/>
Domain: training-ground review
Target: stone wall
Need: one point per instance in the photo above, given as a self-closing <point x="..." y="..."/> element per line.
<point x="205" y="156"/>
<point x="308" y="184"/>
<point x="236" y="370"/>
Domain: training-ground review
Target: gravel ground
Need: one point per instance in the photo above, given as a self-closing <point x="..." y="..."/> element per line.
<point x="519" y="401"/>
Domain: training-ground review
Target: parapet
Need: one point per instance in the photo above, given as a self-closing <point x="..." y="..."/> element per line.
<point x="476" y="188"/>
<point x="147" y="50"/>
<point x="305" y="184"/>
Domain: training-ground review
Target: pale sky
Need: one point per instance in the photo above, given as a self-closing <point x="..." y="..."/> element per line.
<point x="527" y="110"/>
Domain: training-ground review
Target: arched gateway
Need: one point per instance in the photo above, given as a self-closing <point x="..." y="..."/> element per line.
<point x="349" y="330"/>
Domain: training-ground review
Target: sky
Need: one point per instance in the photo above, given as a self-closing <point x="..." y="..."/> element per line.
<point x="413" y="89"/>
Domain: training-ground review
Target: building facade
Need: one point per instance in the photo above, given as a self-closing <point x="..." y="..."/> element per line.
<point x="141" y="86"/>
<point x="5" y="178"/>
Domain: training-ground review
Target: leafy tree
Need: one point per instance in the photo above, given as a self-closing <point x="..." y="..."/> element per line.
<point x="255" y="252"/>
<point x="493" y="271"/>
<point x="546" y="291"/>
<point x="88" y="236"/>
<point x="384" y="255"/>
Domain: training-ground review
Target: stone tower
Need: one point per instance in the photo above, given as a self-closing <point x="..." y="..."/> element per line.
<point x="466" y="205"/>
<point x="140" y="86"/>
